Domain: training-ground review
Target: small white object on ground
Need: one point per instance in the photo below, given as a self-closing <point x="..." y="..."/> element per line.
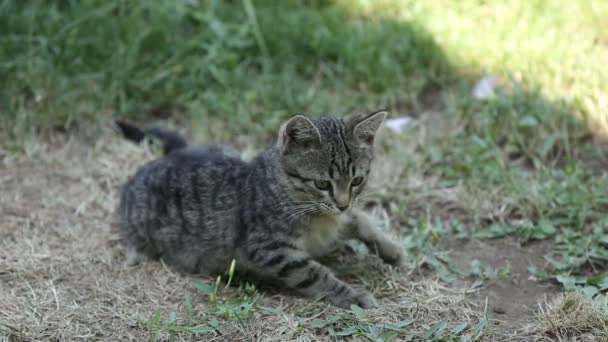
<point x="484" y="88"/>
<point x="398" y="124"/>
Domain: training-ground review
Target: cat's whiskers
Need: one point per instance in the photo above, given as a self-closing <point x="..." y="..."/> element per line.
<point x="365" y="196"/>
<point x="289" y="204"/>
<point x="295" y="210"/>
<point x="296" y="214"/>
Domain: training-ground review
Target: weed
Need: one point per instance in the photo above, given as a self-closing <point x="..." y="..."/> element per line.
<point x="576" y="257"/>
<point x="237" y="308"/>
<point x="244" y="305"/>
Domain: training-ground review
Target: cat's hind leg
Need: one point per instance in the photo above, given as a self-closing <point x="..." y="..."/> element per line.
<point x="136" y="251"/>
<point x="137" y="248"/>
<point x="134" y="257"/>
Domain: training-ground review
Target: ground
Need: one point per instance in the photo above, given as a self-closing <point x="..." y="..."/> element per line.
<point x="499" y="200"/>
<point x="514" y="300"/>
<point x="64" y="275"/>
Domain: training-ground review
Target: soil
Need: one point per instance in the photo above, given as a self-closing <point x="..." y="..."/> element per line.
<point x="514" y="299"/>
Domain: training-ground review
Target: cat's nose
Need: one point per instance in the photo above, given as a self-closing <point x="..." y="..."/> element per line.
<point x="344" y="207"/>
<point x="342" y="200"/>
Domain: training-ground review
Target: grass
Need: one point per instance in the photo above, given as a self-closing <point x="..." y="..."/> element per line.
<point x="227" y="307"/>
<point x="528" y="162"/>
<point x="572" y="317"/>
<point x="353" y="323"/>
<point x="234" y="61"/>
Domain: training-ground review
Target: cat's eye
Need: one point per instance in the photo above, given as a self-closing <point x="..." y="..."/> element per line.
<point x="356" y="181"/>
<point x="322" y="184"/>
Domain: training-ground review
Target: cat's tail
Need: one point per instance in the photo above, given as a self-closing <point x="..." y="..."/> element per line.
<point x="170" y="140"/>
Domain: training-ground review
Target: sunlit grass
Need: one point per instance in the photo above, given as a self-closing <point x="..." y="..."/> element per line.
<point x="558" y="48"/>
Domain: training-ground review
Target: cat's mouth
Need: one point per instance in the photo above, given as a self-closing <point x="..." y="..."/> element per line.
<point x="333" y="210"/>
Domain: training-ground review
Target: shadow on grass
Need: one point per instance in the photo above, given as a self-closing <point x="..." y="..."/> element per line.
<point x="66" y="64"/>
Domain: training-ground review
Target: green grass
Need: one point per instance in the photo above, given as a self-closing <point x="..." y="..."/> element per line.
<point x="70" y="63"/>
<point x="520" y="163"/>
<point x="67" y="63"/>
<point x="241" y="307"/>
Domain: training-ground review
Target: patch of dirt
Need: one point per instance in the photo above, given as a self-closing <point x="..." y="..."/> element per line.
<point x="512" y="301"/>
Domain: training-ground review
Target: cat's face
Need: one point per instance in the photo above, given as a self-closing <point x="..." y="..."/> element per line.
<point x="327" y="160"/>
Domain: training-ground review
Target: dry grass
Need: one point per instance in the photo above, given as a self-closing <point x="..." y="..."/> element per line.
<point x="571" y="317"/>
<point x="63" y="275"/>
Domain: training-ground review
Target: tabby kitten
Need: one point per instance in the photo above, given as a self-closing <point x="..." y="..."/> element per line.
<point x="199" y="208"/>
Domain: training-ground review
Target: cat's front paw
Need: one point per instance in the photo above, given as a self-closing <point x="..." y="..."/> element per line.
<point x="391" y="253"/>
<point x="363" y="299"/>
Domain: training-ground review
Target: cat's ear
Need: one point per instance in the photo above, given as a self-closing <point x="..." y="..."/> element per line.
<point x="299" y="134"/>
<point x="365" y="126"/>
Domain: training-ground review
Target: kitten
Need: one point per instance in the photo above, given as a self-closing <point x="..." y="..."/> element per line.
<point x="199" y="208"/>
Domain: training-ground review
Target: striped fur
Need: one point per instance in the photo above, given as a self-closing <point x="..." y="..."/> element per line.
<point x="198" y="208"/>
